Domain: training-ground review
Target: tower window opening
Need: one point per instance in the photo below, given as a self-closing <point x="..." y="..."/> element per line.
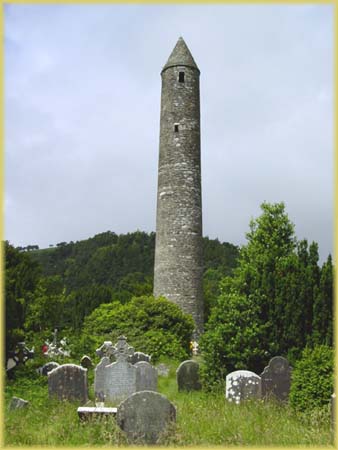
<point x="176" y="128"/>
<point x="181" y="77"/>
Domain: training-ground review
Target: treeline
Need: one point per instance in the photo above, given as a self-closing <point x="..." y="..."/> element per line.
<point x="60" y="286"/>
<point x="278" y="301"/>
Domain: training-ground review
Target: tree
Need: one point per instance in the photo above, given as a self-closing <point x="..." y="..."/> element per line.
<point x="267" y="306"/>
<point x="151" y="325"/>
<point x="323" y="306"/>
<point x="21" y="278"/>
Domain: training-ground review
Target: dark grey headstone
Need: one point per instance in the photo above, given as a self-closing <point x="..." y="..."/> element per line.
<point x="139" y="356"/>
<point x="243" y="385"/>
<point x="187" y="376"/>
<point x="144" y="416"/>
<point x="86" y="362"/>
<point x="146" y="377"/>
<point x="17" y="403"/>
<point x="68" y="382"/>
<point x="276" y="378"/>
<point x="46" y="368"/>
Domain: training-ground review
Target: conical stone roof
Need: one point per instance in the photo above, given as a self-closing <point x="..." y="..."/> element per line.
<point x="180" y="56"/>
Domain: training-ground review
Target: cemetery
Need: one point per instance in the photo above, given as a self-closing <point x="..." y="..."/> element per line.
<point x="124" y="400"/>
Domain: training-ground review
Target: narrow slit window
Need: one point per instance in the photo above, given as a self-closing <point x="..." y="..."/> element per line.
<point x="176" y="128"/>
<point x="181" y="77"/>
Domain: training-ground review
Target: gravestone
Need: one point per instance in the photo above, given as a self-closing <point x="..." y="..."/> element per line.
<point x="17" y="403"/>
<point x="276" y="378"/>
<point x="163" y="370"/>
<point x="46" y="368"/>
<point x="68" y="382"/>
<point x="144" y="416"/>
<point x="86" y="362"/>
<point x="242" y="385"/>
<point x="146" y="377"/>
<point x="120" y="376"/>
<point x="99" y="379"/>
<point x="187" y="376"/>
<point x="139" y="356"/>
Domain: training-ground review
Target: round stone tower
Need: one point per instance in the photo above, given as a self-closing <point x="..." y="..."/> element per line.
<point x="178" y="253"/>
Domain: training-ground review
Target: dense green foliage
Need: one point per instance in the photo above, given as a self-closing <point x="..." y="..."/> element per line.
<point x="154" y="326"/>
<point x="274" y="302"/>
<point x="312" y="378"/>
<point x="21" y="279"/>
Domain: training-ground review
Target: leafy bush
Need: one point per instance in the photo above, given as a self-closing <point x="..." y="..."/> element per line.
<point x="232" y="339"/>
<point x="312" y="378"/>
<point x="155" y="326"/>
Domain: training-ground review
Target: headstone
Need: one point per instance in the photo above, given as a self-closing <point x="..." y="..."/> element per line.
<point x="187" y="376"/>
<point x="139" y="356"/>
<point x="86" y="362"/>
<point x="46" y="368"/>
<point x="144" y="416"/>
<point x="242" y="385"/>
<point x="68" y="382"/>
<point x="146" y="377"/>
<point x="99" y="379"/>
<point x="17" y="403"/>
<point x="276" y="378"/>
<point x="120" y="376"/>
<point x="163" y="370"/>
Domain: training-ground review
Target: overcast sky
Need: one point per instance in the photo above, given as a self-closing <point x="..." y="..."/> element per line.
<point x="82" y="108"/>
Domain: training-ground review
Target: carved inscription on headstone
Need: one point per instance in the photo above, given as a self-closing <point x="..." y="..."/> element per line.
<point x="242" y="385"/>
<point x="120" y="380"/>
<point x="276" y="378"/>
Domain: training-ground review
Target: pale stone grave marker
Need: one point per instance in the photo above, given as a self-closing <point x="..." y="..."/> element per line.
<point x="146" y="377"/>
<point x="242" y="385"/>
<point x="99" y="378"/>
<point x="17" y="403"/>
<point x="144" y="416"/>
<point x="120" y="376"/>
<point x="68" y="382"/>
<point x="276" y="378"/>
<point x="187" y="376"/>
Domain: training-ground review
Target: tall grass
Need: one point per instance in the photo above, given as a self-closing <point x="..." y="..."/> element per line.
<point x="202" y="419"/>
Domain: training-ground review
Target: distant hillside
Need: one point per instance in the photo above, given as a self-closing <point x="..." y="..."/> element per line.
<point x="107" y="258"/>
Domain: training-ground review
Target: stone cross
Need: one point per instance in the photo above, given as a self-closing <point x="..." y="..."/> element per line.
<point x="21" y="355"/>
<point x="122" y="351"/>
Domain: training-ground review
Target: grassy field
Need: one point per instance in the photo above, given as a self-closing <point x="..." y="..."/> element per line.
<point x="202" y="419"/>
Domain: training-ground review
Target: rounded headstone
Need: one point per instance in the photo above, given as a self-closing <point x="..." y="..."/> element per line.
<point x="86" y="362"/>
<point x="276" y="378"/>
<point x="146" y="378"/>
<point x="242" y="385"/>
<point x="187" y="375"/>
<point x="46" y="368"/>
<point x="144" y="416"/>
